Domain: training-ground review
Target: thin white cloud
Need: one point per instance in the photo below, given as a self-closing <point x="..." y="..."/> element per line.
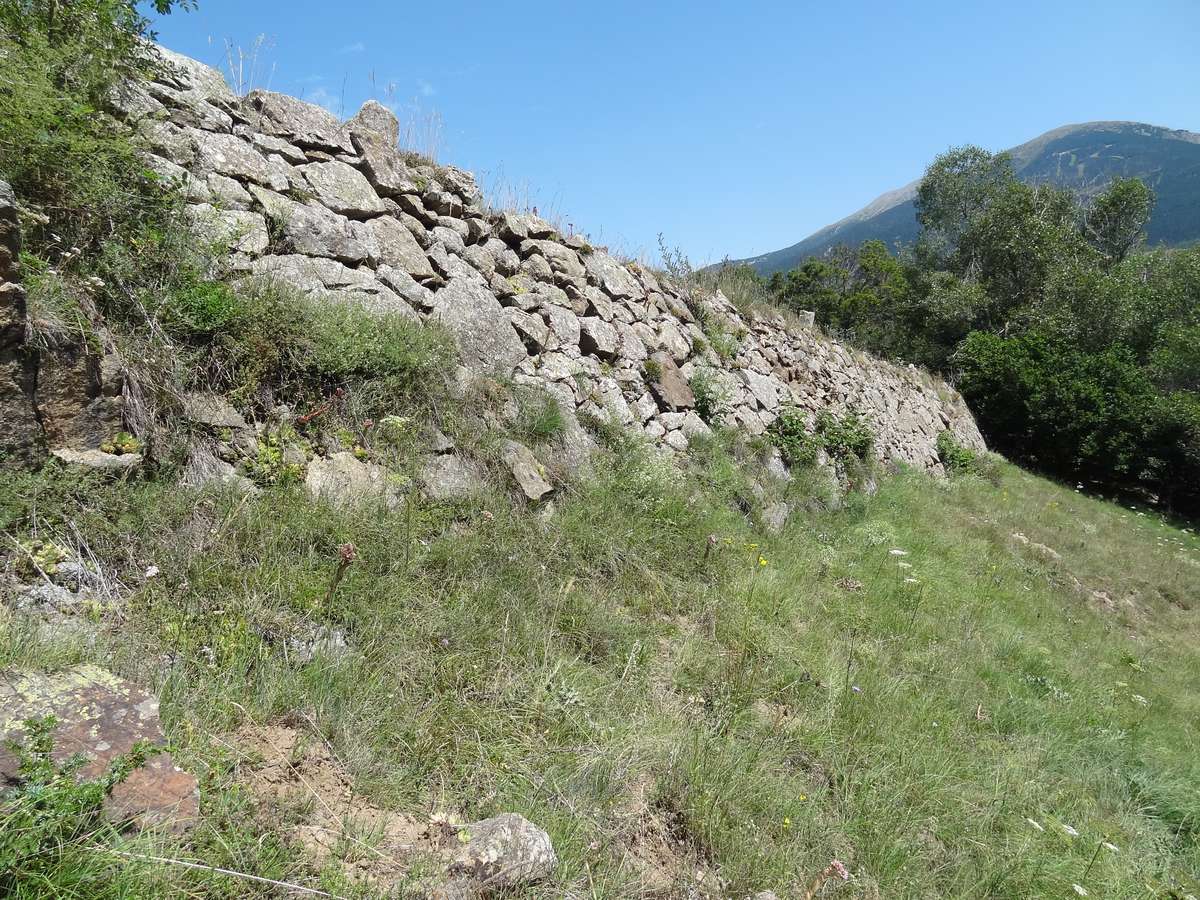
<point x="425" y="88"/>
<point x="356" y="47"/>
<point x="322" y="97"/>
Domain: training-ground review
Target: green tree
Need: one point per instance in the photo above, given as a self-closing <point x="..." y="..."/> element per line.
<point x="1115" y="222"/>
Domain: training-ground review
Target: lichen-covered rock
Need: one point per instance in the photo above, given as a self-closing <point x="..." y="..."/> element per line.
<point x="303" y="124"/>
<point x="344" y="480"/>
<point x="486" y="338"/>
<point x="101" y="717"/>
<point x="342" y="188"/>
<point x="525" y="469"/>
<point x="374" y="123"/>
<point x="228" y="154"/>
<point x="450" y="477"/>
<point x="506" y="851"/>
<point x="238" y="230"/>
<point x="398" y="248"/>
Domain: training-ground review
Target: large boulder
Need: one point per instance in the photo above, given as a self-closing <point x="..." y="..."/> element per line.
<point x="100" y="717"/>
<point x="342" y="188"/>
<point x="482" y="327"/>
<point x="304" y="124"/>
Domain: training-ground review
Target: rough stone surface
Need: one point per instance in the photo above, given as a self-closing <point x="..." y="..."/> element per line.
<point x="486" y="338"/>
<point x="98" y="459"/>
<point x="506" y="851"/>
<point x="342" y="188"/>
<point x="519" y="297"/>
<point x="343" y="480"/>
<point x="304" y="124"/>
<point x="101" y="717"/>
<point x="449" y="477"/>
<point x="525" y="468"/>
<point x="670" y="388"/>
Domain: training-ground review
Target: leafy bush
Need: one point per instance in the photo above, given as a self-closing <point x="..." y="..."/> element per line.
<point x="70" y="163"/>
<point x="789" y="433"/>
<point x="845" y="436"/>
<point x="954" y="456"/>
<point x="201" y="309"/>
<point x="712" y="396"/>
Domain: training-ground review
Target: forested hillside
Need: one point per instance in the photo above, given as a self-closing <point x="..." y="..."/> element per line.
<point x="1082" y="157"/>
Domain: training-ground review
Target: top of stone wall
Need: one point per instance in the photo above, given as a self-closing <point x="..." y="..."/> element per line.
<point x="356" y="220"/>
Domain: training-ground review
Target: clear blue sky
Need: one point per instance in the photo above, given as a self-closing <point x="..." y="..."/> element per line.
<point x="732" y="128"/>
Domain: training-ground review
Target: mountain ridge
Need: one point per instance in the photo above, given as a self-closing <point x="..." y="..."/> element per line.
<point x="891" y="217"/>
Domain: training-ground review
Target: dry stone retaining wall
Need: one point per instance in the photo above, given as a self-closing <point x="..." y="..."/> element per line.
<point x="334" y="208"/>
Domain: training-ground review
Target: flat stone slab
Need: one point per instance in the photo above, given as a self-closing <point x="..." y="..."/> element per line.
<point x="101" y="717"/>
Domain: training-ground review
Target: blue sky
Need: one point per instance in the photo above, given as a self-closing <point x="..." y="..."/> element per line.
<point x="732" y="128"/>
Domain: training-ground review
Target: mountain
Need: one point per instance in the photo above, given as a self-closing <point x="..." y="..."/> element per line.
<point x="1085" y="157"/>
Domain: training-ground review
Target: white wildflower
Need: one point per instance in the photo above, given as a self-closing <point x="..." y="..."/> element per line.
<point x="1079" y="889"/>
<point x="896" y="551"/>
<point x="1035" y="824"/>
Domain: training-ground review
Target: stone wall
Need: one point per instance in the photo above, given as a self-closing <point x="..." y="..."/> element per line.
<point x="333" y="208"/>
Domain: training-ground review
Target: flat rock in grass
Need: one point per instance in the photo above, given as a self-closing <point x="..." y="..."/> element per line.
<point x="506" y="851"/>
<point x="212" y="410"/>
<point x="98" y="459"/>
<point x="525" y="469"/>
<point x="101" y="717"/>
<point x="344" y="480"/>
<point x="449" y="477"/>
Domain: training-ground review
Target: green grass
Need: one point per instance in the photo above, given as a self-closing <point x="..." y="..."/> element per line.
<point x="744" y="712"/>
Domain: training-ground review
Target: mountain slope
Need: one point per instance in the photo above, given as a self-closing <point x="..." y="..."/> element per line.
<point x="1085" y="157"/>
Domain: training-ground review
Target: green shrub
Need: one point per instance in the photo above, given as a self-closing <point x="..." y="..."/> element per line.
<point x="201" y="309"/>
<point x="70" y="163"/>
<point x="653" y="369"/>
<point x="954" y="456"/>
<point x="789" y="433"/>
<point x="712" y="396"/>
<point x="845" y="436"/>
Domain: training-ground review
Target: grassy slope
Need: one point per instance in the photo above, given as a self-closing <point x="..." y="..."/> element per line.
<point x="745" y="713"/>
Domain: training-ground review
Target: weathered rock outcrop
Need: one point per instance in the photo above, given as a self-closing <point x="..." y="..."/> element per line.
<point x="335" y="209"/>
<point x="101" y="718"/>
